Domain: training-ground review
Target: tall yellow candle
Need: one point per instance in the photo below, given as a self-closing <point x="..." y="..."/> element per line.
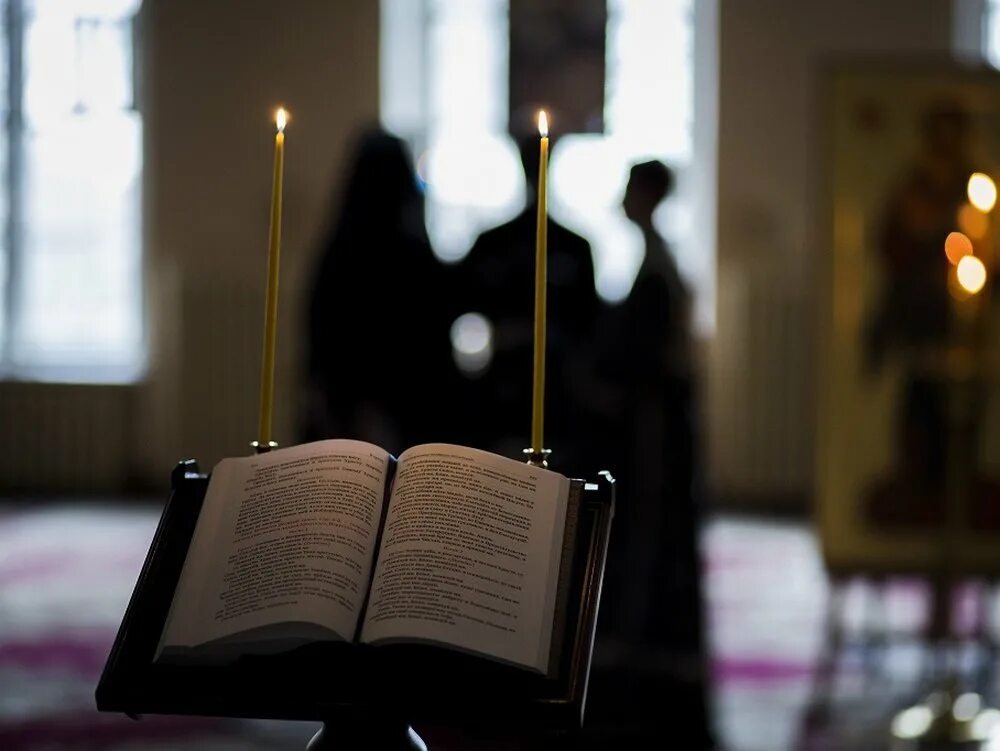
<point x="271" y="304"/>
<point x="541" y="259"/>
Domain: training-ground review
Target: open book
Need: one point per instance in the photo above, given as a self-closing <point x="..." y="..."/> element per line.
<point x="336" y="540"/>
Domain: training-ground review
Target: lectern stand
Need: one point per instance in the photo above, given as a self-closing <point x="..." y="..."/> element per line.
<point x="366" y="697"/>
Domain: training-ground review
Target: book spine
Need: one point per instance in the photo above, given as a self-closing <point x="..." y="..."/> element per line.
<point x="390" y="480"/>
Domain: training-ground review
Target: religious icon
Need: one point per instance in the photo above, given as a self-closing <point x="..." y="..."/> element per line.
<point x="909" y="318"/>
<point x="909" y="379"/>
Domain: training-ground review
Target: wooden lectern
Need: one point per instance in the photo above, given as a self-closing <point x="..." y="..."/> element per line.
<point x="366" y="698"/>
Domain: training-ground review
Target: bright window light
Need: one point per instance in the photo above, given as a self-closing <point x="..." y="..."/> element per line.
<point x="73" y="293"/>
<point x="454" y="54"/>
<point x="649" y="114"/>
<point x="991" y="32"/>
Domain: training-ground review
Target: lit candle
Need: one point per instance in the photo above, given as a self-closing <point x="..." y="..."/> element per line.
<point x="541" y="251"/>
<point x="271" y="304"/>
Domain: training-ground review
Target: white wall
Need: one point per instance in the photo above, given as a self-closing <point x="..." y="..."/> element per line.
<point x="761" y="406"/>
<point x="211" y="75"/>
<point x="216" y="71"/>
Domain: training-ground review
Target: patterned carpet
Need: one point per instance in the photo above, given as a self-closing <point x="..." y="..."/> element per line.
<point x="66" y="572"/>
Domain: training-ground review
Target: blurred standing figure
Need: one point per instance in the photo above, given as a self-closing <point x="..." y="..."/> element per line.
<point x="909" y="325"/>
<point x="650" y="364"/>
<point x="654" y="573"/>
<point x="378" y="354"/>
<point x="498" y="281"/>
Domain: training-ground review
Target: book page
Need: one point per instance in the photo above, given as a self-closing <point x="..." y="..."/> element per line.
<point x="287" y="536"/>
<point x="470" y="555"/>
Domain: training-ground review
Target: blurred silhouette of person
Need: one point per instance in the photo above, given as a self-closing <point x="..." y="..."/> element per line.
<point x="653" y="612"/>
<point x="498" y="281"/>
<point x="378" y="354"/>
<point x="649" y="362"/>
<point x="911" y="317"/>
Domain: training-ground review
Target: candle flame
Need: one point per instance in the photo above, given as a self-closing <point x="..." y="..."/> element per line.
<point x="543" y="124"/>
<point x="281" y="118"/>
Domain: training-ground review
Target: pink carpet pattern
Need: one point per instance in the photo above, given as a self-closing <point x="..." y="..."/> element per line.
<point x="66" y="572"/>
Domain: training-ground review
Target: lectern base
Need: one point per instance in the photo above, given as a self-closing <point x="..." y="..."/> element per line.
<point x="342" y="736"/>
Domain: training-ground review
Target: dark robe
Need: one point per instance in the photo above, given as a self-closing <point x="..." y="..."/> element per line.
<point x="654" y="572"/>
<point x="378" y="351"/>
<point x="498" y="281"/>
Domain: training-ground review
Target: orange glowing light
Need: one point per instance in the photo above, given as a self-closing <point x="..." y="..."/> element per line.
<point x="281" y="119"/>
<point x="973" y="222"/>
<point x="955" y="288"/>
<point x="956" y="246"/>
<point x="971" y="274"/>
<point x="543" y="124"/>
<point x="982" y="191"/>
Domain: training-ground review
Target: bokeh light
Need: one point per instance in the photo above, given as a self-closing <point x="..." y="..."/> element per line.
<point x="986" y="726"/>
<point x="971" y="274"/>
<point x="957" y="246"/>
<point x="982" y="191"/>
<point x="955" y="288"/>
<point x="912" y="722"/>
<point x="967" y="706"/>
<point x="472" y="343"/>
<point x="972" y="222"/>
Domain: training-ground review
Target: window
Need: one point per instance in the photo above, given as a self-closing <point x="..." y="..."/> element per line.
<point x="444" y="89"/>
<point x="70" y="181"/>
<point x="990" y="32"/>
